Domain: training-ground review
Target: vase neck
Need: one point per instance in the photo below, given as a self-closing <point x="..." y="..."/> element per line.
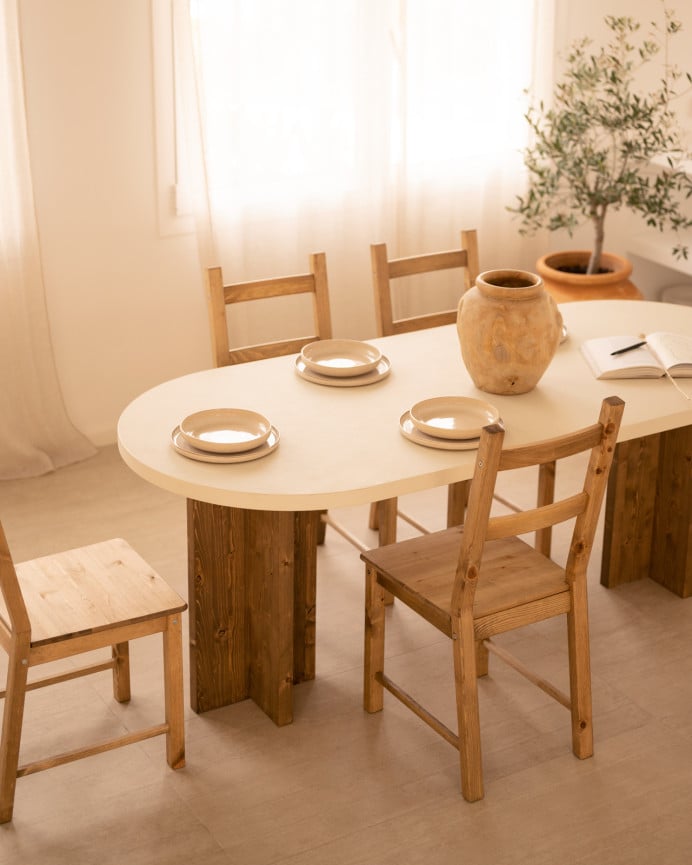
<point x="509" y="284"/>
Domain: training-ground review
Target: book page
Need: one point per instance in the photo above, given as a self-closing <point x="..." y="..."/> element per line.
<point x="638" y="363"/>
<point x="674" y="350"/>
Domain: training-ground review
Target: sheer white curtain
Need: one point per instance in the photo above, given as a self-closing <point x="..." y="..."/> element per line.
<point x="332" y="125"/>
<point x="36" y="435"/>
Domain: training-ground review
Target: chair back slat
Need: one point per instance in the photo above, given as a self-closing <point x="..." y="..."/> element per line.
<point x="384" y="270"/>
<point x="532" y="520"/>
<point x="280" y="348"/>
<point x="265" y="288"/>
<point x="427" y="263"/>
<point x="553" y="449"/>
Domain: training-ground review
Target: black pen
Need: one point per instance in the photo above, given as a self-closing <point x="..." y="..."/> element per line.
<point x="628" y="348"/>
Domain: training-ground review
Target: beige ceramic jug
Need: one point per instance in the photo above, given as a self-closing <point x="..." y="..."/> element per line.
<point x="509" y="329"/>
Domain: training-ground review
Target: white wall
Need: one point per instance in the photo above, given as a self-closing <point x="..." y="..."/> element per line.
<point x="126" y="305"/>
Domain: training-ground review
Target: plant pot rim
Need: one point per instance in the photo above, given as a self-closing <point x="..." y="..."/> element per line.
<point x="548" y="267"/>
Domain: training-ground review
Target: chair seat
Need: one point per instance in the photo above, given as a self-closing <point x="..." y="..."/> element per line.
<point x="86" y="590"/>
<point x="421" y="572"/>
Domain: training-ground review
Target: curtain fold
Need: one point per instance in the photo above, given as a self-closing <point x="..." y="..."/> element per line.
<point x="36" y="435"/>
<point x="330" y="126"/>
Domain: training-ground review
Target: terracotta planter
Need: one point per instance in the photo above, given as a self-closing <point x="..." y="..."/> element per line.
<point x="565" y="286"/>
<point x="509" y="328"/>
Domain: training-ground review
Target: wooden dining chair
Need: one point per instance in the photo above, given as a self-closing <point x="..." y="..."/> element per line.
<point x="480" y="580"/>
<point x="385" y="271"/>
<point x="220" y="297"/>
<point x="59" y="606"/>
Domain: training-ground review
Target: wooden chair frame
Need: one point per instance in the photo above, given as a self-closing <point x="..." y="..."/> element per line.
<point x="384" y="271"/>
<point x="30" y="632"/>
<point x="221" y="296"/>
<point x="480" y="580"/>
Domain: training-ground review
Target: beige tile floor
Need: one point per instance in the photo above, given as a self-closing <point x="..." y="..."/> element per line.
<point x="341" y="786"/>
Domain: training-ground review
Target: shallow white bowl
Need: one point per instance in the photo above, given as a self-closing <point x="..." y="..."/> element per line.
<point x="453" y="417"/>
<point x="340" y="357"/>
<point x="225" y="430"/>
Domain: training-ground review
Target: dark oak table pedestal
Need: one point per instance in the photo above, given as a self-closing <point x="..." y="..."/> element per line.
<point x="648" y="513"/>
<point x="252" y="584"/>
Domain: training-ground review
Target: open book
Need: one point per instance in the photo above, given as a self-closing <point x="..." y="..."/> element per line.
<point x="662" y="353"/>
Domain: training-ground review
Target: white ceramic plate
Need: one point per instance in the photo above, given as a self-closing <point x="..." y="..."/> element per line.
<point x="340" y="357"/>
<point x="225" y="430"/>
<point x="410" y="431"/>
<point x="183" y="446"/>
<point x="381" y="371"/>
<point x="453" y="417"/>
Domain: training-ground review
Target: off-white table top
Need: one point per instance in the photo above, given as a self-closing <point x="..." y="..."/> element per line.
<point x="342" y="445"/>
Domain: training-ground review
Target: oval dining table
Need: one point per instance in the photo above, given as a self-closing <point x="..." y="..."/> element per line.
<point x="253" y="526"/>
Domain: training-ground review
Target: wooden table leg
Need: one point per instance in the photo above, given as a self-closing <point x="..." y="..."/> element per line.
<point x="671" y="553"/>
<point x="648" y="515"/>
<point x="251" y="606"/>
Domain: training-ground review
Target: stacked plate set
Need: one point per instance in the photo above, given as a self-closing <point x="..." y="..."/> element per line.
<point x="447" y="422"/>
<point x="225" y="435"/>
<point x="342" y="363"/>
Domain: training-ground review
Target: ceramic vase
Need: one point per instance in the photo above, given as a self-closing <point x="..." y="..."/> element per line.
<point x="509" y="329"/>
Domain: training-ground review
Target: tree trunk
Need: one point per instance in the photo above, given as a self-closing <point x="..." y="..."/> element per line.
<point x="595" y="261"/>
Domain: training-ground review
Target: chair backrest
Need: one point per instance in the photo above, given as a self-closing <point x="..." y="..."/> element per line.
<point x="220" y="296"/>
<point x="14" y="618"/>
<point x="585" y="505"/>
<point x="385" y="270"/>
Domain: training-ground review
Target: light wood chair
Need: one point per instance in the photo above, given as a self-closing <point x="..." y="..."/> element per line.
<point x="59" y="606"/>
<point x="384" y="272"/>
<point x="479" y="580"/>
<point x="220" y="297"/>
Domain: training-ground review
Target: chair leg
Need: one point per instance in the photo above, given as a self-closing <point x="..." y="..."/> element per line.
<point x="12" y="718"/>
<point x="546" y="495"/>
<point x="457" y="500"/>
<point x="580" y="672"/>
<point x="372" y="519"/>
<point x="121" y="672"/>
<point x="173" y="690"/>
<point x="468" y="719"/>
<point x="386" y="521"/>
<point x="373" y="692"/>
<point x="482" y="658"/>
<point x="321" y="530"/>
<point x="386" y="527"/>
